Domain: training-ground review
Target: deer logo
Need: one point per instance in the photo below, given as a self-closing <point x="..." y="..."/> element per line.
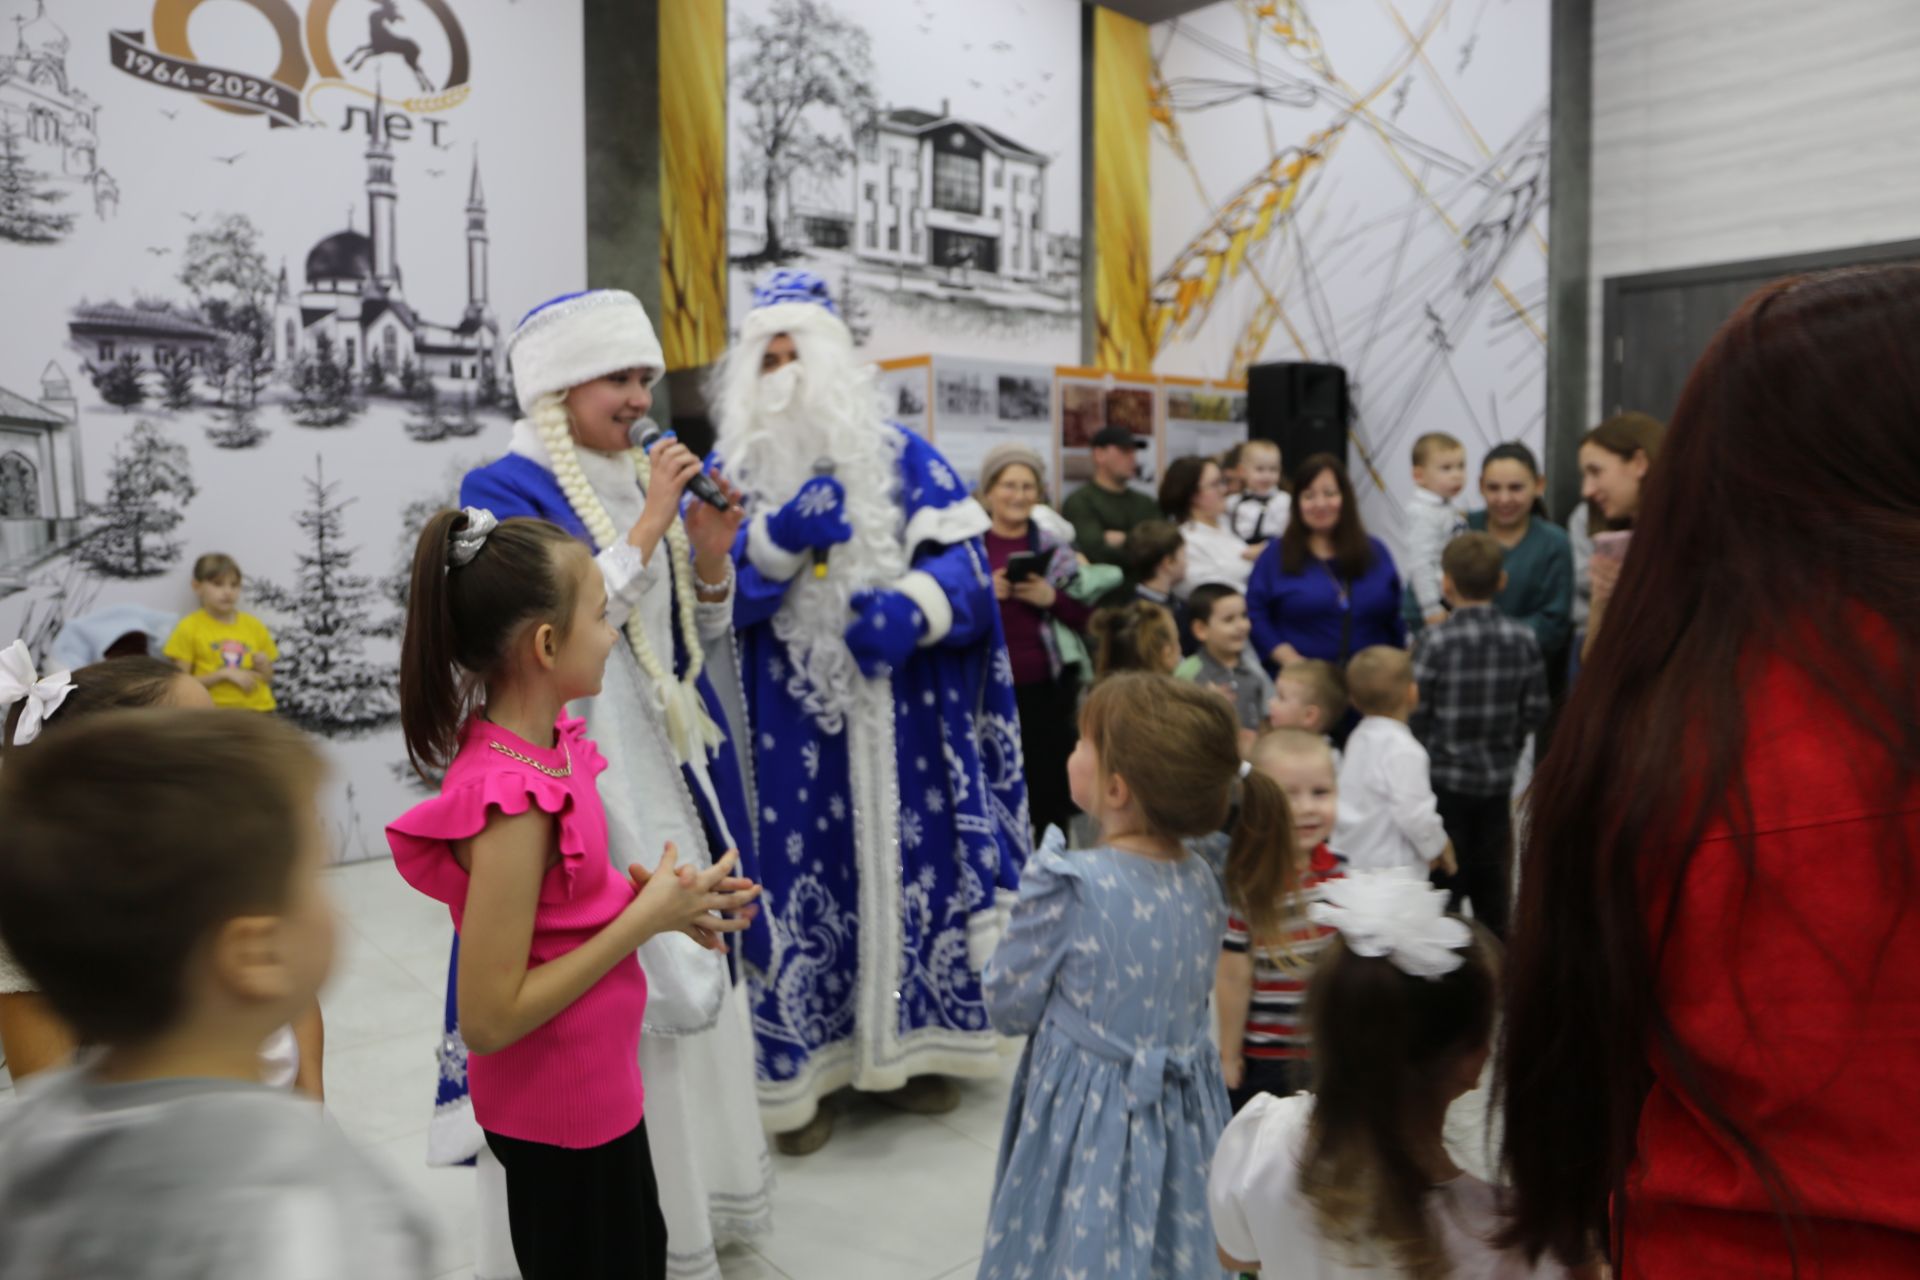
<point x="381" y="41"/>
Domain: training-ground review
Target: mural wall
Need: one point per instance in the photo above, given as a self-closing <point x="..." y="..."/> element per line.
<point x="1365" y="185"/>
<point x="260" y="259"/>
<point x="923" y="156"/>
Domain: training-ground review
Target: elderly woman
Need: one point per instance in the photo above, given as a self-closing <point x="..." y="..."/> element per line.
<point x="1034" y="607"/>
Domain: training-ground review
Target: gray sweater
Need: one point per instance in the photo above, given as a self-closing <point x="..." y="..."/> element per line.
<point x="194" y="1180"/>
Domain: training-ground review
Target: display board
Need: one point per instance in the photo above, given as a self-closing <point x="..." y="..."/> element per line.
<point x="1088" y="400"/>
<point x="260" y="259"/>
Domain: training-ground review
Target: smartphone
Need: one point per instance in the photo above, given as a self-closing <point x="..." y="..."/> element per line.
<point x="1022" y="565"/>
<point x="1612" y="545"/>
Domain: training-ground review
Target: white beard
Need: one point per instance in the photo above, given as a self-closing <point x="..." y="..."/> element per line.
<point x="770" y="457"/>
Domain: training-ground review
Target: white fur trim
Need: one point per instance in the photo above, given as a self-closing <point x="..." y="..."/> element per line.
<point x="581" y="339"/>
<point x="926" y="592"/>
<point x="1052" y="523"/>
<point x="763" y="323"/>
<point x="986" y="927"/>
<point x="945" y="526"/>
<point x="776" y="562"/>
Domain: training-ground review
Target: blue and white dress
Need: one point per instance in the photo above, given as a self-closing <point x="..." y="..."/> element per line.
<point x="889" y="846"/>
<point x="1107" y="965"/>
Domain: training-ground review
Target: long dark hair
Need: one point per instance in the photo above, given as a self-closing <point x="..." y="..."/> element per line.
<point x="1352" y="552"/>
<point x="1514" y="451"/>
<point x="1180" y="484"/>
<point x="1623" y="435"/>
<point x="1178" y="747"/>
<point x="1382" y="1041"/>
<point x="1748" y="512"/>
<point x="112" y="685"/>
<point x="460" y="620"/>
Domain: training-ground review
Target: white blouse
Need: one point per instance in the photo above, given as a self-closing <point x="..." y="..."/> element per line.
<point x="1260" y="1216"/>
<point x="1213" y="555"/>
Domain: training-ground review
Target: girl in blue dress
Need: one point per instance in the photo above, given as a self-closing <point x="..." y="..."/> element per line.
<point x="1107" y="965"/>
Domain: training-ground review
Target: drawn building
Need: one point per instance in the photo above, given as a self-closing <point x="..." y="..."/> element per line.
<point x="102" y="333"/>
<point x="41" y="499"/>
<point x="355" y="298"/>
<point x="938" y="191"/>
<point x="54" y="123"/>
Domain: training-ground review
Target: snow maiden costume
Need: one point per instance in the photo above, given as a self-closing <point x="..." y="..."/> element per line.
<point x="674" y="775"/>
<point x="890" y="815"/>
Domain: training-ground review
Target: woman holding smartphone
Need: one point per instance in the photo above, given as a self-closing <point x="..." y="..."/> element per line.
<point x="1030" y="548"/>
<point x="1614" y="460"/>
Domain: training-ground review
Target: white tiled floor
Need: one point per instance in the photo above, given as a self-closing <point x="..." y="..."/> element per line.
<point x="891" y="1197"/>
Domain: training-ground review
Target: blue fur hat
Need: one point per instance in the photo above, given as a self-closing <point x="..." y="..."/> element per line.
<point x="794" y="286"/>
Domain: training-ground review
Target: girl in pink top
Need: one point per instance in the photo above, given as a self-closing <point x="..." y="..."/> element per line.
<point x="551" y="995"/>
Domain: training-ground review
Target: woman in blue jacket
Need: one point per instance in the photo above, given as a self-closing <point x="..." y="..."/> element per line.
<point x="1324" y="589"/>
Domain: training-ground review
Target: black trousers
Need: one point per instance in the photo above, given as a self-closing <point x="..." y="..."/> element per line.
<point x="584" y="1214"/>
<point x="1281" y="1077"/>
<point x="1049" y="730"/>
<point x="1481" y="828"/>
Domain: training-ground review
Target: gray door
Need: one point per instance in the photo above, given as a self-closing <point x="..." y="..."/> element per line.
<point x="1656" y="326"/>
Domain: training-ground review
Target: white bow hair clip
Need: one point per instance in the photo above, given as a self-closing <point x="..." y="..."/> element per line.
<point x="1398" y="914"/>
<point x="42" y="694"/>
<point x="466" y="544"/>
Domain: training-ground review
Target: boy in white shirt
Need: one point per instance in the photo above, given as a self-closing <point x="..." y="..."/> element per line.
<point x="1439" y="474"/>
<point x="1258" y="512"/>
<point x="1388" y="814"/>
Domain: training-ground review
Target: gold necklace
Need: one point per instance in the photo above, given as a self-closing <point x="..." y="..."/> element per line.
<point x="549" y="770"/>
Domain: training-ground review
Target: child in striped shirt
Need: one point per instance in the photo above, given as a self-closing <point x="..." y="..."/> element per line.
<point x="1260" y="988"/>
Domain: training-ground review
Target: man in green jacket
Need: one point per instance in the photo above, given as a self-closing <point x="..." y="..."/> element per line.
<point x="1105" y="512"/>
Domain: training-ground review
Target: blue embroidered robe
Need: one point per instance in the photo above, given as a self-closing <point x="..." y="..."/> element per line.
<point x="889" y="851"/>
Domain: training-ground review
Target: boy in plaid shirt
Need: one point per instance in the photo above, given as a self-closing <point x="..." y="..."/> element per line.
<point x="1483" y="689"/>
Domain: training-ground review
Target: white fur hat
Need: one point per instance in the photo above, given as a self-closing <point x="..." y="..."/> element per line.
<point x="578" y="337"/>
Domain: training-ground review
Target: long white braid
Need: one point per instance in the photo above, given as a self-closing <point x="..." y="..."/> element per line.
<point x="688" y="723"/>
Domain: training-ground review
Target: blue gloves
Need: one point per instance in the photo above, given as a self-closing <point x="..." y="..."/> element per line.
<point x="813" y="519"/>
<point x="885" y="631"/>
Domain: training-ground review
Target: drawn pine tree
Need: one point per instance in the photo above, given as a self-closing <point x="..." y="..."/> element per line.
<point x="412" y="379"/>
<point x="427" y="422"/>
<point x="373" y="375"/>
<point x="121" y="382"/>
<point x="467" y="421"/>
<point x="176" y="381"/>
<point x="324" y="680"/>
<point x="323" y="388"/>
<point x="27" y="215"/>
<point x="148" y="489"/>
<point x="236" y="428"/>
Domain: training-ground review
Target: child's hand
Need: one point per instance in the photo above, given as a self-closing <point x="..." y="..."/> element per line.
<point x="245" y="679"/>
<point x="1435" y="618"/>
<point x="1233" y="1068"/>
<point x="1447" y="863"/>
<point x="677" y="899"/>
<point x="1255" y="551"/>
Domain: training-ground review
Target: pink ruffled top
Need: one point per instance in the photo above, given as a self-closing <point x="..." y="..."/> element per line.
<point x="575" y="1080"/>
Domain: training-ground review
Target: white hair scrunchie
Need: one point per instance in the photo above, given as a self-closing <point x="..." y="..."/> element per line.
<point x="1396" y="913"/>
<point x="42" y="694"/>
<point x="466" y="544"/>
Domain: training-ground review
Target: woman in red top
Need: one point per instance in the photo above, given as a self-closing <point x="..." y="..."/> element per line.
<point x="1712" y="1046"/>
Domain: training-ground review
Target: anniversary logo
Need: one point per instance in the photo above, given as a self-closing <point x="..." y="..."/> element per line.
<point x="306" y="53"/>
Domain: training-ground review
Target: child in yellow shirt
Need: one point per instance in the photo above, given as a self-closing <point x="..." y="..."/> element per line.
<point x="230" y="652"/>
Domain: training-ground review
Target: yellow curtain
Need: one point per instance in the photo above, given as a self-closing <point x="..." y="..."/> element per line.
<point x="1123" y="250"/>
<point x="693" y="181"/>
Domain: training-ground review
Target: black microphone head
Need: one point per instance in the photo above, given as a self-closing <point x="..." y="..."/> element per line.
<point x="823" y="466"/>
<point x="644" y="433"/>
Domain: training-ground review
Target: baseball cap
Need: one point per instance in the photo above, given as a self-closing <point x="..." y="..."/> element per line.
<point x="1117" y="438"/>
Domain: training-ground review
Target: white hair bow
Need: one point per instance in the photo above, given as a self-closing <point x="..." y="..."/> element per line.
<point x="466" y="544"/>
<point x="43" y="695"/>
<point x="1394" y="913"/>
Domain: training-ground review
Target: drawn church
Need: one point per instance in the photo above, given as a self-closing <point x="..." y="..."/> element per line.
<point x="354" y="297"/>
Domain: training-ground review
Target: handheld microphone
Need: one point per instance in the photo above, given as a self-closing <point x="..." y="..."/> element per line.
<point x="821" y="467"/>
<point x="646" y="433"/>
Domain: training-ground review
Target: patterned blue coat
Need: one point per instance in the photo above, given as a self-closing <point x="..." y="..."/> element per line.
<point x="889" y="850"/>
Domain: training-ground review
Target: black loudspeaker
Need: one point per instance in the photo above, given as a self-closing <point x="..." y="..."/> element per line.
<point x="1301" y="407"/>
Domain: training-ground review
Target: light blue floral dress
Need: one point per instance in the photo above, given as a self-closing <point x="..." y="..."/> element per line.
<point x="1107" y="965"/>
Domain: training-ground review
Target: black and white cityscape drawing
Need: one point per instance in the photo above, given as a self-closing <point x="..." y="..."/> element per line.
<point x="932" y="173"/>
